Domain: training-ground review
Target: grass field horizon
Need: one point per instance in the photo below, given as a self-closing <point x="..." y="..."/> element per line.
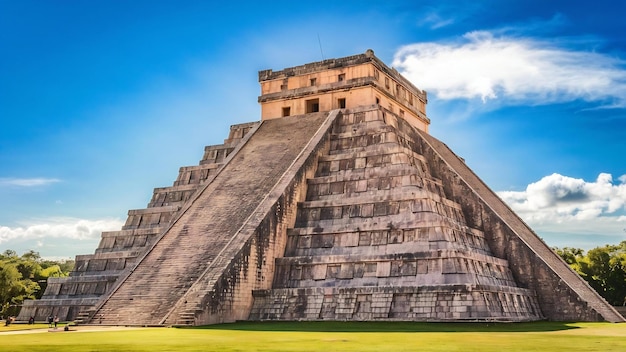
<point x="329" y="336"/>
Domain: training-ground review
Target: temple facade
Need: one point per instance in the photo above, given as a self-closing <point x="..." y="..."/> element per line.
<point x="344" y="83"/>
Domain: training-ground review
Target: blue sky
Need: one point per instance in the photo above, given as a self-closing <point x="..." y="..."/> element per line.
<point x="102" y="101"/>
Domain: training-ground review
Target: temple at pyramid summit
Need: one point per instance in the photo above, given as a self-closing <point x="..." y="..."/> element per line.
<point x="337" y="205"/>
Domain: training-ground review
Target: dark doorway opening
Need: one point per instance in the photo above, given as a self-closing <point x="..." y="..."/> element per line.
<point x="312" y="105"/>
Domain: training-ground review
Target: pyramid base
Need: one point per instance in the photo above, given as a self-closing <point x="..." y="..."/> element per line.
<point x="442" y="303"/>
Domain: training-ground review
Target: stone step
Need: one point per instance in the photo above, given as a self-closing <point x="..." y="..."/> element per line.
<point x="344" y="196"/>
<point x="421" y="219"/>
<point x="395" y="153"/>
<point x="364" y="174"/>
<point x="216" y="154"/>
<point x="361" y="115"/>
<point x="84" y="316"/>
<point x="196" y="175"/>
<point x="382" y="188"/>
<point x="340" y="142"/>
<point x="355" y="245"/>
<point x="431" y="303"/>
<point x="137" y="239"/>
<point x="409" y="256"/>
<point x="358" y="128"/>
<point x="150" y="217"/>
<point x="444" y="235"/>
<point x="405" y="210"/>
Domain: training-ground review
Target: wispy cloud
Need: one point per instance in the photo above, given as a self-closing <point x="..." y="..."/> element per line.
<point x="435" y="21"/>
<point x="27" y="182"/>
<point x="484" y="65"/>
<point x="443" y="14"/>
<point x="56" y="228"/>
<point x="558" y="203"/>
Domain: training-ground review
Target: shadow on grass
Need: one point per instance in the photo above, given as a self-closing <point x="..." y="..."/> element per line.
<point x="338" y="326"/>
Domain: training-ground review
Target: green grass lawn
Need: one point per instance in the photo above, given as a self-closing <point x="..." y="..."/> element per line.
<point x="332" y="336"/>
<point x="16" y="327"/>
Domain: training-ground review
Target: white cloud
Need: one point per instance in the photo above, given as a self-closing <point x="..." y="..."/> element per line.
<point x="57" y="228"/>
<point x="27" y="182"/>
<point x="558" y="203"/>
<point x="523" y="70"/>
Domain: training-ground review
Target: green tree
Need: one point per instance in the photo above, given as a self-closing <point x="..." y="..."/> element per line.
<point x="604" y="268"/>
<point x="569" y="254"/>
<point x="13" y="287"/>
<point x="24" y="277"/>
<point x="10" y="282"/>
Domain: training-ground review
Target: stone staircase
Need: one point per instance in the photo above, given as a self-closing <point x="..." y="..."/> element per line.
<point x="84" y="316"/>
<point x="377" y="239"/>
<point x="197" y="247"/>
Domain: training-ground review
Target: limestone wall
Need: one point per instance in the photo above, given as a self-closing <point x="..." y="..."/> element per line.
<point x="428" y="303"/>
<point x="377" y="238"/>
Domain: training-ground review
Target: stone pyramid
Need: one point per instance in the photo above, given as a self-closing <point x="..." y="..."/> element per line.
<point x="338" y="205"/>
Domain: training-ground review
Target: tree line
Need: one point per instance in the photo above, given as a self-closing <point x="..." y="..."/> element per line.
<point x="604" y="268"/>
<point x="25" y="277"/>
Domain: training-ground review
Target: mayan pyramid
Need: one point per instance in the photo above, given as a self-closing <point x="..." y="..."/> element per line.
<point x="337" y="205"/>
